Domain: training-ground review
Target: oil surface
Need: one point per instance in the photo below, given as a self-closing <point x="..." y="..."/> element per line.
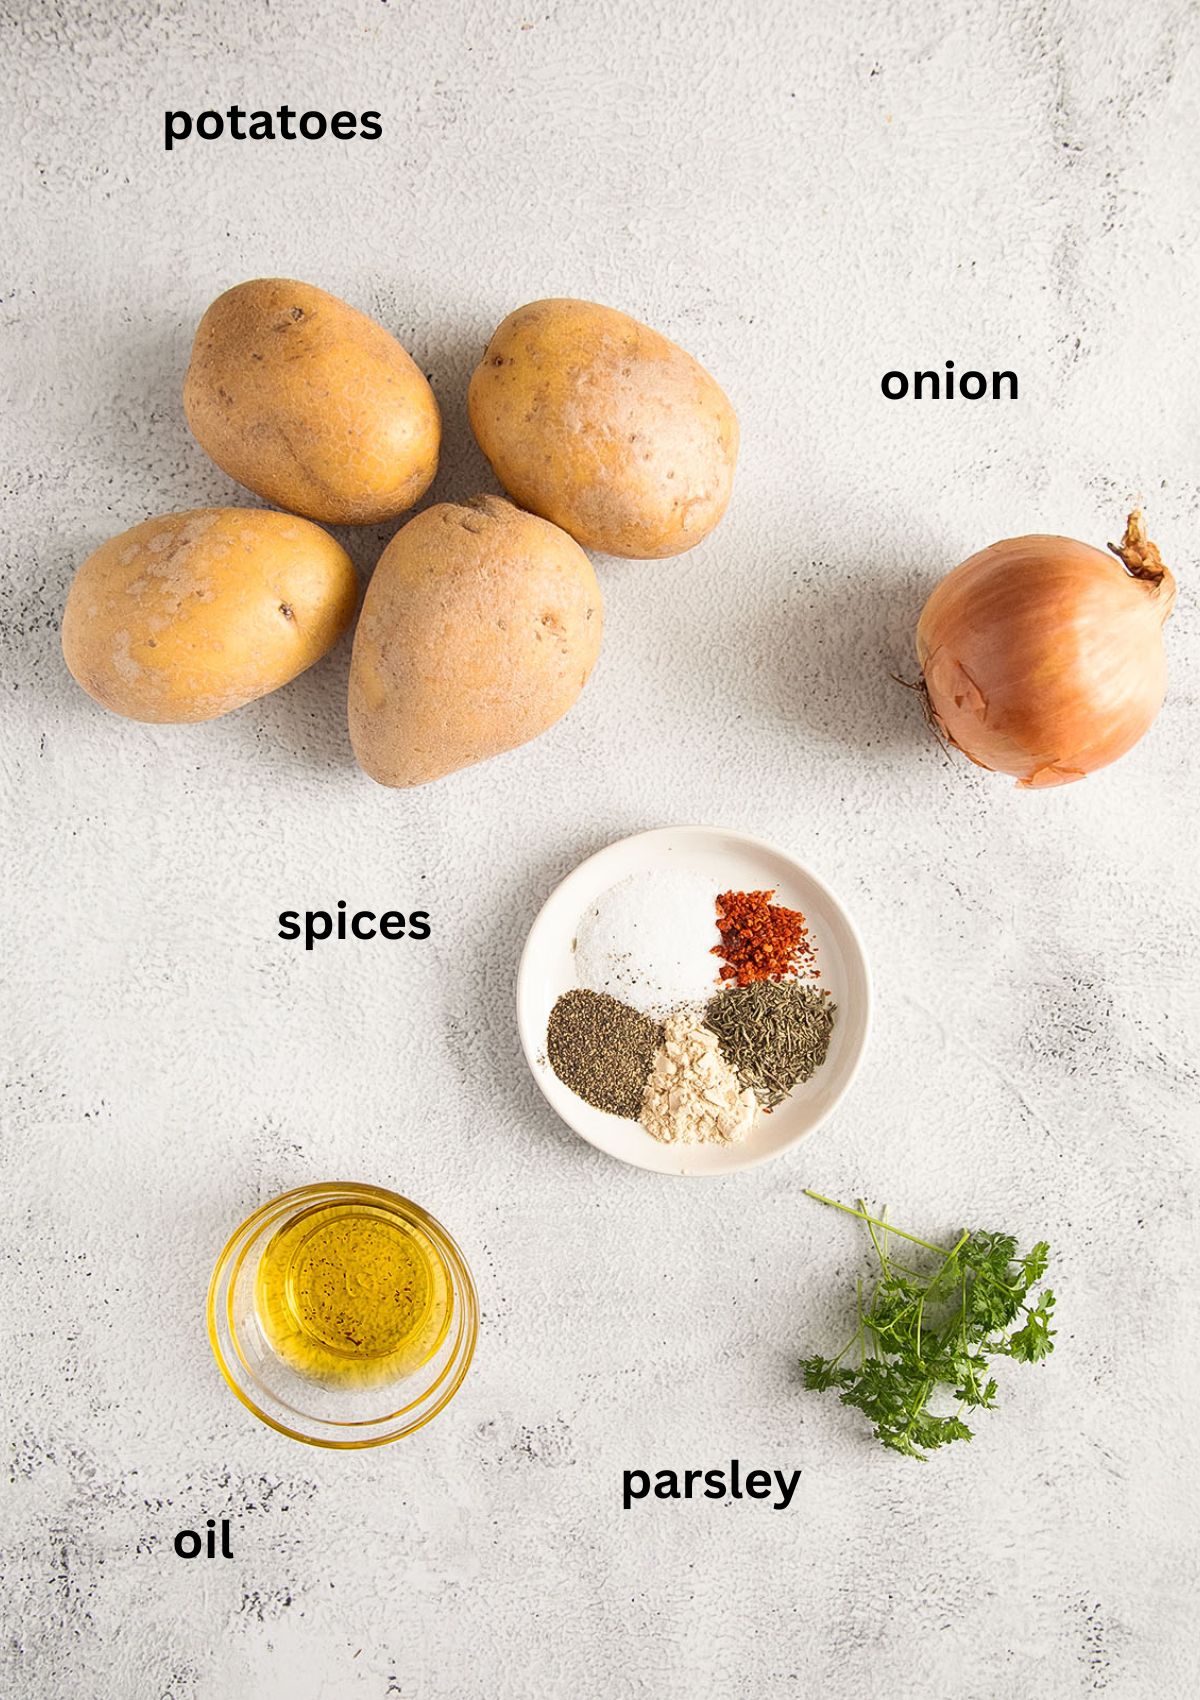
<point x="350" y="1293"/>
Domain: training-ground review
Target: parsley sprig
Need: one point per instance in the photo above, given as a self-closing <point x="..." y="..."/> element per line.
<point x="922" y="1333"/>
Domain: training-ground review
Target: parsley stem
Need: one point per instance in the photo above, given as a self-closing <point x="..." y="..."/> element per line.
<point x="950" y="1256"/>
<point x="880" y="1252"/>
<point x="876" y="1222"/>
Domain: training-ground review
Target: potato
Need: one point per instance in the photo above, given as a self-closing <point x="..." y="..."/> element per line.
<point x="190" y="615"/>
<point x="600" y="424"/>
<point x="310" y="404"/>
<point x="478" y="631"/>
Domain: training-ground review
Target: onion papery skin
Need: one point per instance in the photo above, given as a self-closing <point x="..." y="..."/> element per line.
<point x="1042" y="657"/>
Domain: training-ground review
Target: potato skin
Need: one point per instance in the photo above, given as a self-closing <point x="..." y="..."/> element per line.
<point x="190" y="615"/>
<point x="311" y="404"/>
<point x="478" y="631"/>
<point x="601" y="425"/>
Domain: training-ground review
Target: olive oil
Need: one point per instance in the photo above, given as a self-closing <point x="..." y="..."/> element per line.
<point x="351" y="1294"/>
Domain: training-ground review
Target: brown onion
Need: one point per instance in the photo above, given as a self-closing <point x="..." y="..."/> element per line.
<point x="1043" y="657"/>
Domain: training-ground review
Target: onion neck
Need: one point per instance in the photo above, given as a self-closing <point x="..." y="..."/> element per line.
<point x="1137" y="553"/>
<point x="1142" y="561"/>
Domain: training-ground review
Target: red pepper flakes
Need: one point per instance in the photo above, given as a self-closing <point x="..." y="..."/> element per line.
<point x="760" y="940"/>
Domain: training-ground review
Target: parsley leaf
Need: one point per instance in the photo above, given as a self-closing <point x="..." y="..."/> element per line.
<point x="930" y="1335"/>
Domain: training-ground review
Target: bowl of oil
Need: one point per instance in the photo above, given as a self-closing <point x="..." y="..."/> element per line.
<point x="342" y="1315"/>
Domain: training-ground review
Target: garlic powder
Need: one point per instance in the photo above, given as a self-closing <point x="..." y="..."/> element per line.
<point x="693" y="1096"/>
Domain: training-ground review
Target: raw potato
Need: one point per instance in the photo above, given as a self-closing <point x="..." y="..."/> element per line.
<point x="600" y="424"/>
<point x="478" y="631"/>
<point x="190" y="615"/>
<point x="311" y="404"/>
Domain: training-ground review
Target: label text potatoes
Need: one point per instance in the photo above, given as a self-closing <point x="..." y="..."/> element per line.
<point x="286" y="123"/>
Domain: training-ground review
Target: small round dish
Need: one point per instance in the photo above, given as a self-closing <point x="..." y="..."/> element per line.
<point x="734" y="862"/>
<point x="320" y="1408"/>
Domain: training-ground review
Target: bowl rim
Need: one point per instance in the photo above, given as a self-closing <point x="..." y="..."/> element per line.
<point x="229" y="1262"/>
<point x="532" y="1044"/>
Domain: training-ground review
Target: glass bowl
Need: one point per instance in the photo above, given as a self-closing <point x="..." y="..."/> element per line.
<point x="278" y="1293"/>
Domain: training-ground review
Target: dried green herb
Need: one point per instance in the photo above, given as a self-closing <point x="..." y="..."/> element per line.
<point x="603" y="1050"/>
<point x="925" y="1334"/>
<point x="773" y="1033"/>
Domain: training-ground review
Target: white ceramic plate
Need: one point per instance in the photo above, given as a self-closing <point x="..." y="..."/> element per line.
<point x="735" y="863"/>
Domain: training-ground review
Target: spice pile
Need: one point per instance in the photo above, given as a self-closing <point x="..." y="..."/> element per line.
<point x="760" y="940"/>
<point x="656" y="1032"/>
<point x="693" y="1094"/>
<point x="775" y="1033"/>
<point x="640" y="941"/>
<point x="603" y="1050"/>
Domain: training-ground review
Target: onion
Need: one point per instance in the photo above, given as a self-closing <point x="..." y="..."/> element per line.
<point x="1043" y="657"/>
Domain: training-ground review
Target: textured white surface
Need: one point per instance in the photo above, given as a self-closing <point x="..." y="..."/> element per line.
<point x="804" y="196"/>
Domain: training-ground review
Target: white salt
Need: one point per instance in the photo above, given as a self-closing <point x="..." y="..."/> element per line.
<point x="649" y="941"/>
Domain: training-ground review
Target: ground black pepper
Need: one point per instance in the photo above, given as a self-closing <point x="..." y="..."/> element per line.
<point x="603" y="1050"/>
